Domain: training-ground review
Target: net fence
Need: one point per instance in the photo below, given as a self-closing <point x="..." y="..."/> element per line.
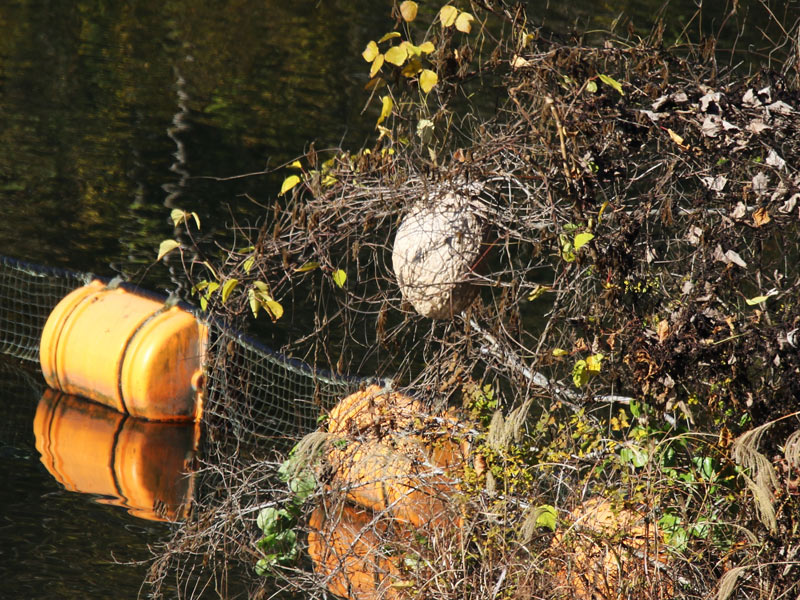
<point x="252" y="392"/>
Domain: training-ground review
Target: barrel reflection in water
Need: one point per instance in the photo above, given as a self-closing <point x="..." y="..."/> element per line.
<point x="140" y="465"/>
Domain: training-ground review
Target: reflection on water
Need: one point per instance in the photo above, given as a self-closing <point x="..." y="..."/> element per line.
<point x="140" y="465"/>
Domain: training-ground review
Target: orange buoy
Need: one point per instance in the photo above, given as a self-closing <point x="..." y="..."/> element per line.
<point x="139" y="465"/>
<point x="382" y="465"/>
<point x="126" y="351"/>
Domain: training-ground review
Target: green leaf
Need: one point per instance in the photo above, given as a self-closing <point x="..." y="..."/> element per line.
<point x="339" y="277"/>
<point x="582" y="239"/>
<point x="546" y="516"/>
<point x="427" y="80"/>
<point x="611" y="82"/>
<point x="166" y="247"/>
<point x="591" y="87"/>
<point x="386" y="108"/>
<point x="289" y="183"/>
<point x="370" y="52"/>
<point x="408" y="10"/>
<point x="308" y="266"/>
<point x="227" y="288"/>
<point x="756" y="300"/>
<point x="580" y="375"/>
<point x="447" y="15"/>
<point x="464" y="22"/>
<point x="397" y="55"/>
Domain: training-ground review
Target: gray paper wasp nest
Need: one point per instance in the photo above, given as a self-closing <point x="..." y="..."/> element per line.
<point x="436" y="251"/>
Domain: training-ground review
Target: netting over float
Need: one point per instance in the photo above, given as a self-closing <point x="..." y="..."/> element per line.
<point x="252" y="392"/>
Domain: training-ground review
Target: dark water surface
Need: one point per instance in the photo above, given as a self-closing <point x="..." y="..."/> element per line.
<point x="114" y="111"/>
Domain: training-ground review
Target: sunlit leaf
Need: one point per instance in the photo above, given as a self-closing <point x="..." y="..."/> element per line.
<point x="339" y="277"/>
<point x="581" y="239"/>
<point x="411" y="49"/>
<point x="212" y="287"/>
<point x="273" y="308"/>
<point x="447" y="15"/>
<point x="178" y="216"/>
<point x="196" y="219"/>
<point x="412" y="67"/>
<point x="591" y="87"/>
<point x="370" y="52"/>
<point x="756" y="300"/>
<point x="289" y="183"/>
<point x="594" y="363"/>
<point x="546" y="516"/>
<point x="296" y="165"/>
<point x="247" y="265"/>
<point x="464" y="22"/>
<point x="261" y="286"/>
<point x="166" y="247"/>
<point x="537" y="291"/>
<point x="580" y="375"/>
<point x="610" y="81"/>
<point x="557" y="352"/>
<point x="227" y="288"/>
<point x="427" y="80"/>
<point x="386" y="108"/>
<point x="761" y="216"/>
<point x="376" y="65"/>
<point x="408" y="10"/>
<point x="389" y="36"/>
<point x="427" y="48"/>
<point x="254" y="303"/>
<point x="675" y="137"/>
<point x="309" y="266"/>
<point x="397" y="55"/>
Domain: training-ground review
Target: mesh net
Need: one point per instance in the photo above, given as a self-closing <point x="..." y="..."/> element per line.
<point x="252" y="392"/>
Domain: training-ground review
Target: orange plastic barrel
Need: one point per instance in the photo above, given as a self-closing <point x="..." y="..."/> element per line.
<point x="136" y="464"/>
<point x="126" y="351"/>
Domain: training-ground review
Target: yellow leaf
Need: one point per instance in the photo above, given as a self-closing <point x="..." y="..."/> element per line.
<point x="289" y="183"/>
<point x="254" y="303"/>
<point x="370" y="52"/>
<point x="464" y="22"/>
<point x="386" y="108"/>
<point x="412" y="67"/>
<point x="261" y="287"/>
<point x="408" y="10"/>
<point x="376" y="65"/>
<point x="427" y="48"/>
<point x="339" y="277"/>
<point x="375" y="83"/>
<point x="166" y="247"/>
<point x="296" y="165"/>
<point x="227" y="288"/>
<point x="537" y="292"/>
<point x="411" y="49"/>
<point x="389" y="36"/>
<point x="427" y="80"/>
<point x="397" y="55"/>
<point x="177" y="216"/>
<point x="675" y="137"/>
<point x="447" y="15"/>
<point x="593" y="363"/>
<point x="761" y="217"/>
<point x="309" y="266"/>
<point x="610" y="81"/>
<point x="247" y="265"/>
<point x="273" y="308"/>
<point x="559" y="352"/>
<point x="196" y="219"/>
